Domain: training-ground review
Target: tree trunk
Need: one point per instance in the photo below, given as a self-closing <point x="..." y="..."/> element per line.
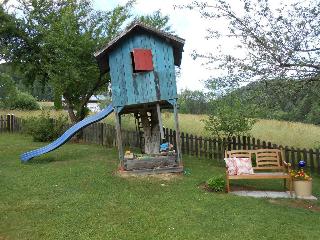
<point x="151" y="131"/>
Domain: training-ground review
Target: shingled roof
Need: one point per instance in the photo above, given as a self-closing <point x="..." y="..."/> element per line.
<point x="176" y="42"/>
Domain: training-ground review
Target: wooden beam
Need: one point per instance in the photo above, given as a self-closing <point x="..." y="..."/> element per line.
<point x="176" y="123"/>
<point x="119" y="139"/>
<point x="160" y="121"/>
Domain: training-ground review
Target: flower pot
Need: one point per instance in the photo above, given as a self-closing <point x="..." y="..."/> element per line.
<point x="303" y="188"/>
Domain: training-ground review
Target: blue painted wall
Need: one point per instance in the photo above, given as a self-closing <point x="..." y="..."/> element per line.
<point x="135" y="88"/>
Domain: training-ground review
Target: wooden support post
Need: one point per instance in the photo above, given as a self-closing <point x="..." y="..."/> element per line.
<point x="119" y="139"/>
<point x="160" y="121"/>
<point x="176" y="123"/>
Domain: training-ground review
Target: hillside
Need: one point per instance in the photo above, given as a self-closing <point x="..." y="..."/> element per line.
<point x="282" y="100"/>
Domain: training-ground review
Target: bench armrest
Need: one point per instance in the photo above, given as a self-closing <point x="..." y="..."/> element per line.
<point x="287" y="165"/>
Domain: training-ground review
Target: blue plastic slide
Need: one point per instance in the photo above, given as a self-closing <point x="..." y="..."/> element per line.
<point x="67" y="135"/>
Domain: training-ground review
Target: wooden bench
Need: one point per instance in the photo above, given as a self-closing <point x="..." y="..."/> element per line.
<point x="269" y="164"/>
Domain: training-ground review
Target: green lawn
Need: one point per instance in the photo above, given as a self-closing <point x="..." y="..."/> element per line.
<point x="73" y="193"/>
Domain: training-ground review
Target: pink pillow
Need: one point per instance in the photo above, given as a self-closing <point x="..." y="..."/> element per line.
<point x="244" y="166"/>
<point x="231" y="166"/>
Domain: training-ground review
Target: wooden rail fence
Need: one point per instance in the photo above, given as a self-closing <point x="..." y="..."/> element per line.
<point x="197" y="146"/>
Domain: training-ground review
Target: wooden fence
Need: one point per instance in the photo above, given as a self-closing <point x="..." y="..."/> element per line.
<point x="10" y="123"/>
<point x="197" y="146"/>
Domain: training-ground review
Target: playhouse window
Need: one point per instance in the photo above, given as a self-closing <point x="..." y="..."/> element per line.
<point x="141" y="60"/>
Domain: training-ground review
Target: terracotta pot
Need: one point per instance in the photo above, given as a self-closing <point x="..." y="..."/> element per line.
<point x="302" y="188"/>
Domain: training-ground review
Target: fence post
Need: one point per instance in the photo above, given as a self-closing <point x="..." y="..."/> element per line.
<point x="253" y="143"/>
<point x="244" y="140"/>
<point x="205" y="147"/>
<point x="318" y="160"/>
<point x="298" y="155"/>
<point x="286" y="154"/>
<point x="311" y="160"/>
<point x="258" y="143"/>
<point x="269" y="145"/>
<point x="200" y="147"/>
<point x="234" y="143"/>
<point x="8" y="122"/>
<point x="248" y="143"/>
<point x="293" y="157"/>
<point x="196" y="145"/>
<point x="210" y="148"/>
<point x="182" y="143"/>
<point x="187" y="144"/>
<point x="191" y="145"/>
<point x="305" y="156"/>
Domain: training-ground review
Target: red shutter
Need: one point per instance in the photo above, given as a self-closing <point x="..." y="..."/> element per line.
<point x="142" y="59"/>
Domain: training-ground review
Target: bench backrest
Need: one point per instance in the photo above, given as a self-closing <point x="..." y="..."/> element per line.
<point x="268" y="157"/>
<point x="264" y="158"/>
<point x="238" y="154"/>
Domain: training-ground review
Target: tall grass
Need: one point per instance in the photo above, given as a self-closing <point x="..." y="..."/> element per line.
<point x="284" y="133"/>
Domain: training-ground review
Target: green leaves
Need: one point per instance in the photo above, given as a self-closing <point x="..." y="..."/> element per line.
<point x="229" y="118"/>
<point x="54" y="41"/>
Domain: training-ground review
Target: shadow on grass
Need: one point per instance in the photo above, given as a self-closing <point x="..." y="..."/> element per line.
<point x="43" y="160"/>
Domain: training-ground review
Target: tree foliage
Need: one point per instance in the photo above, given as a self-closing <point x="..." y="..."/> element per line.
<point x="12" y="98"/>
<point x="283" y="100"/>
<point x="229" y="118"/>
<point x="194" y="102"/>
<point x="273" y="41"/>
<point x="54" y="41"/>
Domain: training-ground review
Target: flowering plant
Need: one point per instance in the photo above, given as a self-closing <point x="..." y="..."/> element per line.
<point x="300" y="175"/>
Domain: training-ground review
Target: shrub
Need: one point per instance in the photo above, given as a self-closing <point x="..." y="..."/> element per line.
<point x="229" y="119"/>
<point x="44" y="128"/>
<point x="216" y="184"/>
<point x="23" y="101"/>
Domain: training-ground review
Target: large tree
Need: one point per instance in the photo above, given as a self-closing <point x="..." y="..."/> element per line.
<point x="54" y="41"/>
<point x="274" y="40"/>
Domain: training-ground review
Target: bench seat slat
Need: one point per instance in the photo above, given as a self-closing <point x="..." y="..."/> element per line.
<point x="267" y="175"/>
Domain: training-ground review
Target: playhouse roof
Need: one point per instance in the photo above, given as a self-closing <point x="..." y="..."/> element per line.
<point x="176" y="42"/>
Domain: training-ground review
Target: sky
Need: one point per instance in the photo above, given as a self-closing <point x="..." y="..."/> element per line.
<point x="186" y="24"/>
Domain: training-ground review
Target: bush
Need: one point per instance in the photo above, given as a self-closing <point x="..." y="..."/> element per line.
<point x="23" y="101"/>
<point x="216" y="184"/>
<point x="12" y="98"/>
<point x="229" y="119"/>
<point x="44" y="128"/>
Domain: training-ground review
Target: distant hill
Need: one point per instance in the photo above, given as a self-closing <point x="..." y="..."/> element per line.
<point x="283" y="100"/>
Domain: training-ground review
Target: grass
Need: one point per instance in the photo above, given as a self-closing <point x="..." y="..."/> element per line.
<point x="73" y="193"/>
<point x="284" y="133"/>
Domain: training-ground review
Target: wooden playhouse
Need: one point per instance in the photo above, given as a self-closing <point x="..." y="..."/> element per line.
<point x="141" y="62"/>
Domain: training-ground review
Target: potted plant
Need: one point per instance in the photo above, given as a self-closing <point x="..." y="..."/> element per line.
<point x="302" y="182"/>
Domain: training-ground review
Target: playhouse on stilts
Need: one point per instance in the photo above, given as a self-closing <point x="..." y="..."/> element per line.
<point x="141" y="62"/>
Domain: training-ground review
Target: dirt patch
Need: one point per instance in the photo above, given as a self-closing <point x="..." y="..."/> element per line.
<point x="204" y="186"/>
<point x="312" y="206"/>
<point x="160" y="176"/>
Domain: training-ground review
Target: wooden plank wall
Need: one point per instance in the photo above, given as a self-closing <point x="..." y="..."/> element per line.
<point x="135" y="88"/>
<point x="197" y="146"/>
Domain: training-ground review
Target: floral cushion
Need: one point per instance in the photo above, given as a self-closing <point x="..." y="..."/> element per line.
<point x="244" y="166"/>
<point x="231" y="166"/>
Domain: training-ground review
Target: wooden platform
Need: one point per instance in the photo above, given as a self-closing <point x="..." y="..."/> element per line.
<point x="150" y="162"/>
<point x="152" y="165"/>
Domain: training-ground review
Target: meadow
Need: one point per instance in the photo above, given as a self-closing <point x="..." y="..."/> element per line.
<point x="75" y="193"/>
<point x="292" y="134"/>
